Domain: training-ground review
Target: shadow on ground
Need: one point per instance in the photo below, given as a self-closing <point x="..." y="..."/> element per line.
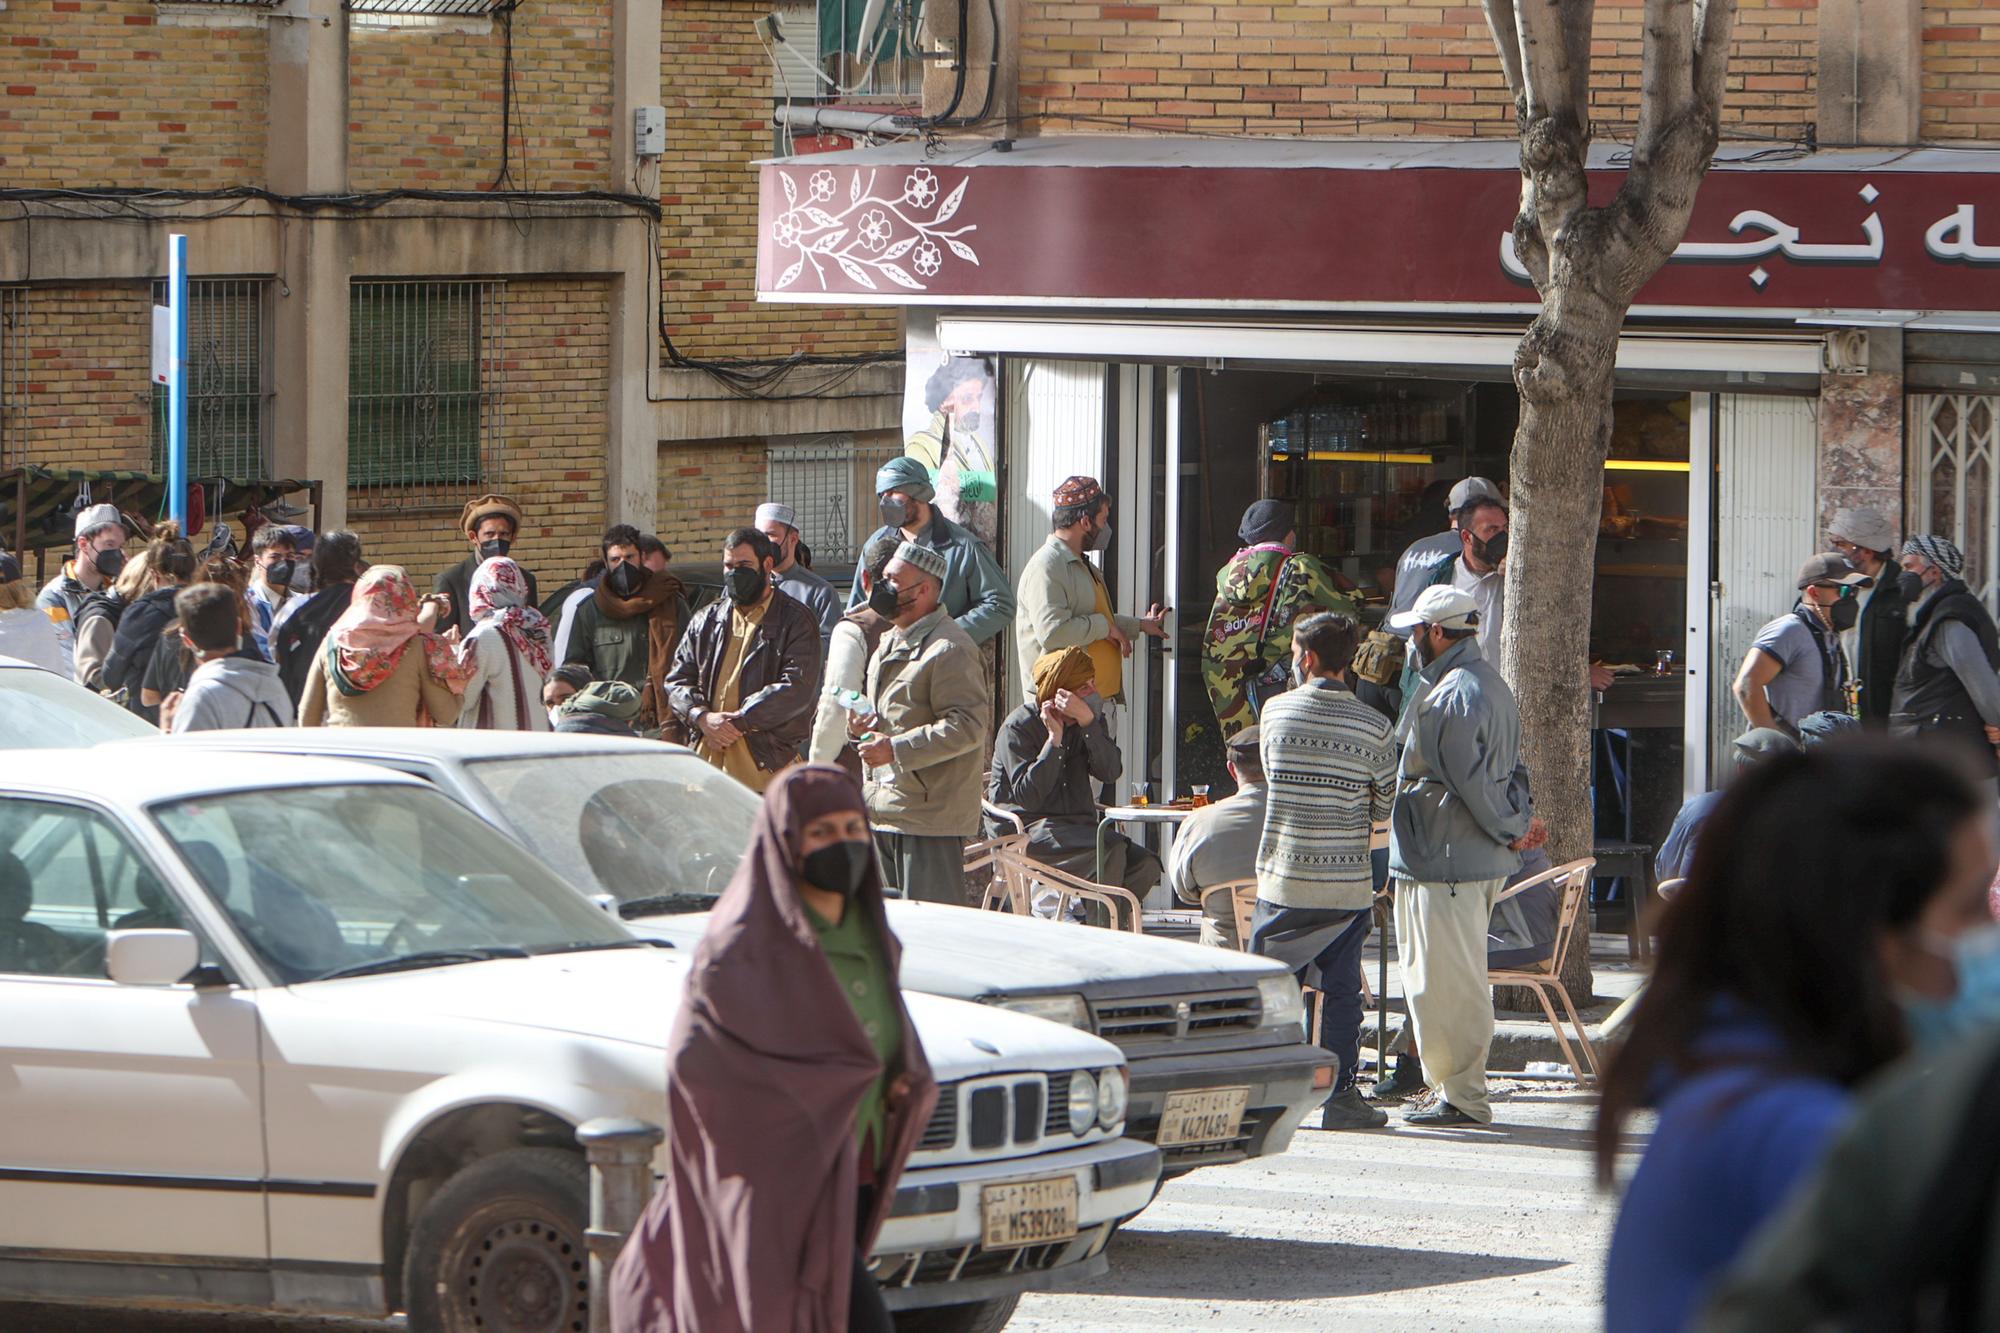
<point x="1181" y="1263"/>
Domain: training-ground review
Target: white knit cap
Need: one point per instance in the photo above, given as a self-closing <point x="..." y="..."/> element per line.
<point x="98" y="516"/>
<point x="778" y="513"/>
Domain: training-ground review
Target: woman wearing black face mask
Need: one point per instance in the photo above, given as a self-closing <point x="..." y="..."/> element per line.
<point x="797" y="1088"/>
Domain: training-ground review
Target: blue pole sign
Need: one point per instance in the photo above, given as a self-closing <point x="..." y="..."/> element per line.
<point x="177" y="389"/>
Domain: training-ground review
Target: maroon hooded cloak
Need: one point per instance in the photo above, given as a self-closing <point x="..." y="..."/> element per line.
<point x="754" y="1228"/>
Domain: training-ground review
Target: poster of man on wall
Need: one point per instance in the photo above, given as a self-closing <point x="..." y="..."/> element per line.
<point x="950" y="412"/>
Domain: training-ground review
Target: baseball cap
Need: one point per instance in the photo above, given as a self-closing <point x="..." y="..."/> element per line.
<point x="1830" y="567"/>
<point x="1472" y="488"/>
<point x="1441" y="605"/>
<point x="98" y="516"/>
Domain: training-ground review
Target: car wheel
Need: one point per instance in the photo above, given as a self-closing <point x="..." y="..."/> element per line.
<point x="500" y="1248"/>
<point x="984" y="1317"/>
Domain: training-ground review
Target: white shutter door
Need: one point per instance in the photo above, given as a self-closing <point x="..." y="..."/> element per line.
<point x="1055" y="429"/>
<point x="1766" y="525"/>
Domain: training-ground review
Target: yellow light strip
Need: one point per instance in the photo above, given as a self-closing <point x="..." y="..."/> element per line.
<point x="1643" y="465"/>
<point x="1338" y="456"/>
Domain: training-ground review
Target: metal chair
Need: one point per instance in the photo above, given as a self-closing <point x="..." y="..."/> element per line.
<point x="1020" y="877"/>
<point x="1542" y="977"/>
<point x="979" y="855"/>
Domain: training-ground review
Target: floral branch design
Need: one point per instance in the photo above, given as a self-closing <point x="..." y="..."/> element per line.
<point x="875" y="235"/>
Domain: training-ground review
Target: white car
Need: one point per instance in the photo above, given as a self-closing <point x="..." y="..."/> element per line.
<point x="41" y="710"/>
<point x="1220" y="1066"/>
<point x="305" y="1035"/>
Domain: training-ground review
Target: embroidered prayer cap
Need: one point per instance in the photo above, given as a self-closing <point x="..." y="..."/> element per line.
<point x="922" y="558"/>
<point x="1077" y="491"/>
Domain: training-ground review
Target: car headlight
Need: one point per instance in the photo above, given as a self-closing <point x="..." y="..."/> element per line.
<point x="1082" y="1102"/>
<point x="1068" y="1010"/>
<point x="1281" y="1000"/>
<point x="1111" y="1098"/>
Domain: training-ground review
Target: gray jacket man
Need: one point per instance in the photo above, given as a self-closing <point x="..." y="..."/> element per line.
<point x="1461" y="819"/>
<point x="922" y="750"/>
<point x="1217" y="844"/>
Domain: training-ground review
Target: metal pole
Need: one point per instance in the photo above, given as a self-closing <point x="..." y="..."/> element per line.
<point x="620" y="1151"/>
<point x="177" y="358"/>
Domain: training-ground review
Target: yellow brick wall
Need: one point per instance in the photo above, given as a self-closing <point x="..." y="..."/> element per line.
<point x="556" y="435"/>
<point x="1348" y="67"/>
<point x="424" y="104"/>
<point x="1961" y="69"/>
<point x="705" y="490"/>
<point x="69" y="116"/>
<point x="86" y="390"/>
<point x="716" y="85"/>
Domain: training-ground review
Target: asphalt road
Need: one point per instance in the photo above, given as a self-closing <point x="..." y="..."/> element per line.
<point x="1389" y="1231"/>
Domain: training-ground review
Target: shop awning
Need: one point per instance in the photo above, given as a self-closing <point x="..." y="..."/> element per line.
<point x="1272" y="225"/>
<point x="38" y="504"/>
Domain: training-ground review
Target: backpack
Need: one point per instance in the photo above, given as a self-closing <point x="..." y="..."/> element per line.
<point x="297" y="641"/>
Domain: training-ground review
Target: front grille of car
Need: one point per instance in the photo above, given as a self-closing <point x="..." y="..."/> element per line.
<point x="1170" y="1017"/>
<point x="976" y="1261"/>
<point x="1006" y="1109"/>
<point x="1256" y="1122"/>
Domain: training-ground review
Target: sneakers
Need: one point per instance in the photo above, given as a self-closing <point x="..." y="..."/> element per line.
<point x="1441" y="1114"/>
<point x="1346" y="1110"/>
<point x="1406" y="1082"/>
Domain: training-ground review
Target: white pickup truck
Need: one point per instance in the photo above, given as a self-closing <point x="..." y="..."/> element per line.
<point x="1215" y="1039"/>
<point x="304" y="1035"/>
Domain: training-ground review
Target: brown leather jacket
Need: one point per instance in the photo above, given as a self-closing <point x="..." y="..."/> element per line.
<point x="781" y="675"/>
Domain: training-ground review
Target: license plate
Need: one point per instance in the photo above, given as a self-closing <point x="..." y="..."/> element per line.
<point x="1032" y="1212"/>
<point x="1208" y="1115"/>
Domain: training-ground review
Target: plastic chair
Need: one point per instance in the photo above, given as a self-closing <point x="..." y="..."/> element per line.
<point x="1023" y="876"/>
<point x="1541" y="977"/>
<point x="1245" y="892"/>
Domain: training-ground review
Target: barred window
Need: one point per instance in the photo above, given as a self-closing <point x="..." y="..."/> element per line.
<point x="427" y="8"/>
<point x="423" y="391"/>
<point x="13" y="374"/>
<point x="830" y="484"/>
<point x="227" y="388"/>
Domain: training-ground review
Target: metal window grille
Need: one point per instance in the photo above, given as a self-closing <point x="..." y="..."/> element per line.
<point x="426" y="8"/>
<point x="1958" y="478"/>
<point x="831" y="485"/>
<point x="13" y="374"/>
<point x="423" y="391"/>
<point x="227" y="389"/>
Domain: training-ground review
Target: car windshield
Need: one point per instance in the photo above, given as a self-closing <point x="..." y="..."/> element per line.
<point x="659" y="832"/>
<point x="41" y="710"/>
<point x="346" y="878"/>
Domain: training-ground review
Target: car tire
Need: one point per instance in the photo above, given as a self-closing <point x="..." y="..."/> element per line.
<point x="983" y="1317"/>
<point x="500" y="1248"/>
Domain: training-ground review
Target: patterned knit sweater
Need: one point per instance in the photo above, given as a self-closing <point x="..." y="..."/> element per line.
<point x="1330" y="773"/>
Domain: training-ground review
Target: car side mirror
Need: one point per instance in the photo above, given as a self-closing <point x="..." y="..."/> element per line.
<point x="150" y="957"/>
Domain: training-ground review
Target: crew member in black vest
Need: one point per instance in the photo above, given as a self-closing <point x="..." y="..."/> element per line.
<point x="1874" y="646"/>
<point x="1947" y="687"/>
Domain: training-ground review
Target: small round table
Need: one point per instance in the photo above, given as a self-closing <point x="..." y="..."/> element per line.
<point x="1135" y="814"/>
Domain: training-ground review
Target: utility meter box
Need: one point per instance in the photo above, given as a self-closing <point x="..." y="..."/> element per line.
<point x="649" y="130"/>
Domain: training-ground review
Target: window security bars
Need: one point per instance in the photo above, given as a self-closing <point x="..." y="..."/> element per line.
<point x="13" y="374"/>
<point x="227" y="389"/>
<point x="423" y="391"/>
<point x="831" y="485"/>
<point x="1958" y="478"/>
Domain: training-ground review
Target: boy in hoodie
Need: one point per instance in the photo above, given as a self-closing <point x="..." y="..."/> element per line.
<point x="227" y="690"/>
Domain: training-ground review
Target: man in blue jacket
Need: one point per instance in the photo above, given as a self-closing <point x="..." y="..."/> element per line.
<point x="1461" y="820"/>
<point x="977" y="595"/>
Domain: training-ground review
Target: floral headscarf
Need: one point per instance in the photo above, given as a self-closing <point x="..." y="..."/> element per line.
<point x="366" y="643"/>
<point x="500" y="593"/>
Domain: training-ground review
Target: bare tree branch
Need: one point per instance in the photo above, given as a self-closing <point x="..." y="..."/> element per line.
<point x="1714" y="20"/>
<point x="1554" y="122"/>
<point x="1667" y="64"/>
<point x="1507" y="41"/>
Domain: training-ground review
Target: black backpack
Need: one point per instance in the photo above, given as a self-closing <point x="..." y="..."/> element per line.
<point x="298" y="640"/>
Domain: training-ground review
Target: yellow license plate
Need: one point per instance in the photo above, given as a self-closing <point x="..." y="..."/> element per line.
<point x="1033" y="1212"/>
<point x="1206" y="1115"/>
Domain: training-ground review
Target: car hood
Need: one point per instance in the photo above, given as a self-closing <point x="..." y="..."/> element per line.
<point x="970" y="955"/>
<point x="632" y="995"/>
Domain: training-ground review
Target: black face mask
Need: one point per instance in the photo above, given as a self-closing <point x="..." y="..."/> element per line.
<point x="1910" y="584"/>
<point x="10" y="568"/>
<point x="279" y="574"/>
<point x="1493" y="550"/>
<point x="744" y="585"/>
<point x="838" y="867"/>
<point x="109" y="563"/>
<point x="894" y="512"/>
<point x="883" y="602"/>
<point x="1843" y="613"/>
<point x="625" y="580"/>
<point x="497" y="546"/>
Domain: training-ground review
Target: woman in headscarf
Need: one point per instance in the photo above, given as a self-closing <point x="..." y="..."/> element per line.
<point x="507" y="652"/>
<point x="1054" y="752"/>
<point x="796" y="1090"/>
<point x="1268" y="586"/>
<point x="365" y="675"/>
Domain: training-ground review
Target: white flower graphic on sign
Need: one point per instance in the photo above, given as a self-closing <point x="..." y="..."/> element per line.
<point x="877" y="236"/>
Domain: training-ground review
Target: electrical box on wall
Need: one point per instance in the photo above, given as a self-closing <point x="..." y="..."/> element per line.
<point x="649" y="131"/>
